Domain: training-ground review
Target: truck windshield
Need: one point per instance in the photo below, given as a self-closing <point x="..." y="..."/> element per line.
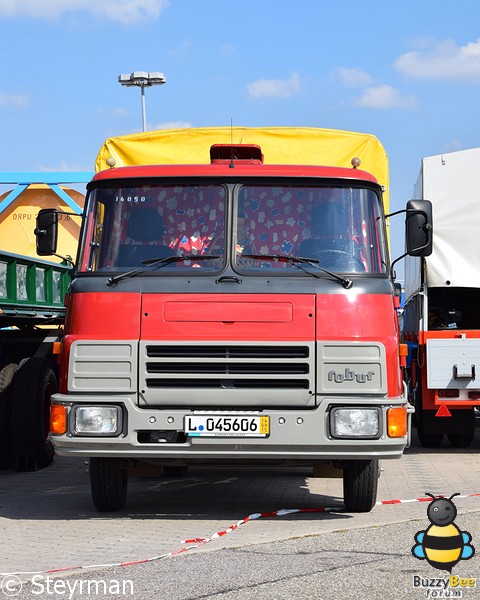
<point x="340" y="227"/>
<point x="126" y="226"/>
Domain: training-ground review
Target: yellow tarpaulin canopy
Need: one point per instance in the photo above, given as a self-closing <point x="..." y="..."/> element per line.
<point x="280" y="145"/>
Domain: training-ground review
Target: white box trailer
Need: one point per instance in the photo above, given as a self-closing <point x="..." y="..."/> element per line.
<point x="442" y="309"/>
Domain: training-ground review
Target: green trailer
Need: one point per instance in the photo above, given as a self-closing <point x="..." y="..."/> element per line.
<point x="32" y="312"/>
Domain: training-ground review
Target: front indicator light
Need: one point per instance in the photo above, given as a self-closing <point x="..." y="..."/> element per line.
<point x="58" y="419"/>
<point x="355" y="423"/>
<point x="96" y="420"/>
<point x="397" y="422"/>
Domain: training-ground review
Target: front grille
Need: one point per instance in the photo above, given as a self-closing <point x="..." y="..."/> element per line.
<point x="229" y="368"/>
<point x="227" y="351"/>
<point x="228" y="384"/>
<point x="218" y="374"/>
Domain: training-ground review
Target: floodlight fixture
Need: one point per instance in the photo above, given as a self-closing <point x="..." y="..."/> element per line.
<point x="142" y="79"/>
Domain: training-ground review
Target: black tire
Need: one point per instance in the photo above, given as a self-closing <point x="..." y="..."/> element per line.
<point x="109" y="483"/>
<point x="7" y="457"/>
<point x="360" y="481"/>
<point x="427" y="439"/>
<point x="460" y="440"/>
<point x="174" y="471"/>
<point x="33" y="386"/>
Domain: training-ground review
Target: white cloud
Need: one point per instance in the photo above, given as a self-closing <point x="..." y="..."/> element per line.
<point x="352" y="77"/>
<point x="384" y="97"/>
<point x="120" y="11"/>
<point x="183" y="52"/>
<point x="227" y="50"/>
<point x="174" y="125"/>
<point x="445" y="60"/>
<point x="64" y="167"/>
<point x="15" y="100"/>
<point x="275" y="88"/>
<point x="116" y="113"/>
<point x="112" y="113"/>
<point x="452" y="146"/>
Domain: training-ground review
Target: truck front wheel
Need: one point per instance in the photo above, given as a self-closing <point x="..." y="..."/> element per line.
<point x="360" y="481"/>
<point x="109" y="483"/>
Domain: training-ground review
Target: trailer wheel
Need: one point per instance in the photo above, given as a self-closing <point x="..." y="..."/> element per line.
<point x="33" y="386"/>
<point x="7" y="457"/>
<point x="174" y="471"/>
<point x="360" y="481"/>
<point x="462" y="429"/>
<point x="460" y="440"/>
<point x="427" y="439"/>
<point x="108" y="483"/>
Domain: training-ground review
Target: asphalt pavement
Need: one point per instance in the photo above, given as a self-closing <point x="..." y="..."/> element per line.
<point x="47" y="522"/>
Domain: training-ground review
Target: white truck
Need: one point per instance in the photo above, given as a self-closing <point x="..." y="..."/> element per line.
<point x="442" y="309"/>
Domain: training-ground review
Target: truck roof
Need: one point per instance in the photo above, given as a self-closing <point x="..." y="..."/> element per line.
<point x="300" y="146"/>
<point x="239" y="170"/>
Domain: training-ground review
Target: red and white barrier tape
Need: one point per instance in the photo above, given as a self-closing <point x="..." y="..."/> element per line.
<point x="201" y="541"/>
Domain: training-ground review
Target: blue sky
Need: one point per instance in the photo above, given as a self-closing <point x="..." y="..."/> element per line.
<point x="408" y="72"/>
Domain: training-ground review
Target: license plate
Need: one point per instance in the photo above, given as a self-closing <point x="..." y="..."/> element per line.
<point x="227" y="425"/>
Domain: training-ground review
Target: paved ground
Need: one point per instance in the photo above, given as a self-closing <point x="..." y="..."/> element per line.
<point x="47" y="522"/>
<point x="365" y="563"/>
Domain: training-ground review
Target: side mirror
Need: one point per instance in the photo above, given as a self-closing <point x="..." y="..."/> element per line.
<point x="419" y="228"/>
<point x="46" y="231"/>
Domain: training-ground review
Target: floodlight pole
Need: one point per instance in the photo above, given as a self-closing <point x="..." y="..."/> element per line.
<point x="142" y="79"/>
<point x="144" y="110"/>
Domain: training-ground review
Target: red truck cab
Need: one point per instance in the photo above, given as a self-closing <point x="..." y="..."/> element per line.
<point x="232" y="313"/>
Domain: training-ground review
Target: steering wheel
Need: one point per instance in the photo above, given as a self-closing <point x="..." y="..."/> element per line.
<point x="216" y="243"/>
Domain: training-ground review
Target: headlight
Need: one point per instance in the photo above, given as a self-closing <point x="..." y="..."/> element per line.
<point x="354" y="423"/>
<point x="97" y="420"/>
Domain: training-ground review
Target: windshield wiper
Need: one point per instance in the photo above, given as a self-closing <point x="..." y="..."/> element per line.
<point x="297" y="261"/>
<point x="159" y="262"/>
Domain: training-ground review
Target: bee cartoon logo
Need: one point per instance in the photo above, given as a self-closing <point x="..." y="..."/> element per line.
<point x="443" y="545"/>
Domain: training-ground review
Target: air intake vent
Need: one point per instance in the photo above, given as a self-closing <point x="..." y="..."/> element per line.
<point x="229" y="368"/>
<point x="228" y="351"/>
<point x="224" y="375"/>
<point x="229" y="384"/>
